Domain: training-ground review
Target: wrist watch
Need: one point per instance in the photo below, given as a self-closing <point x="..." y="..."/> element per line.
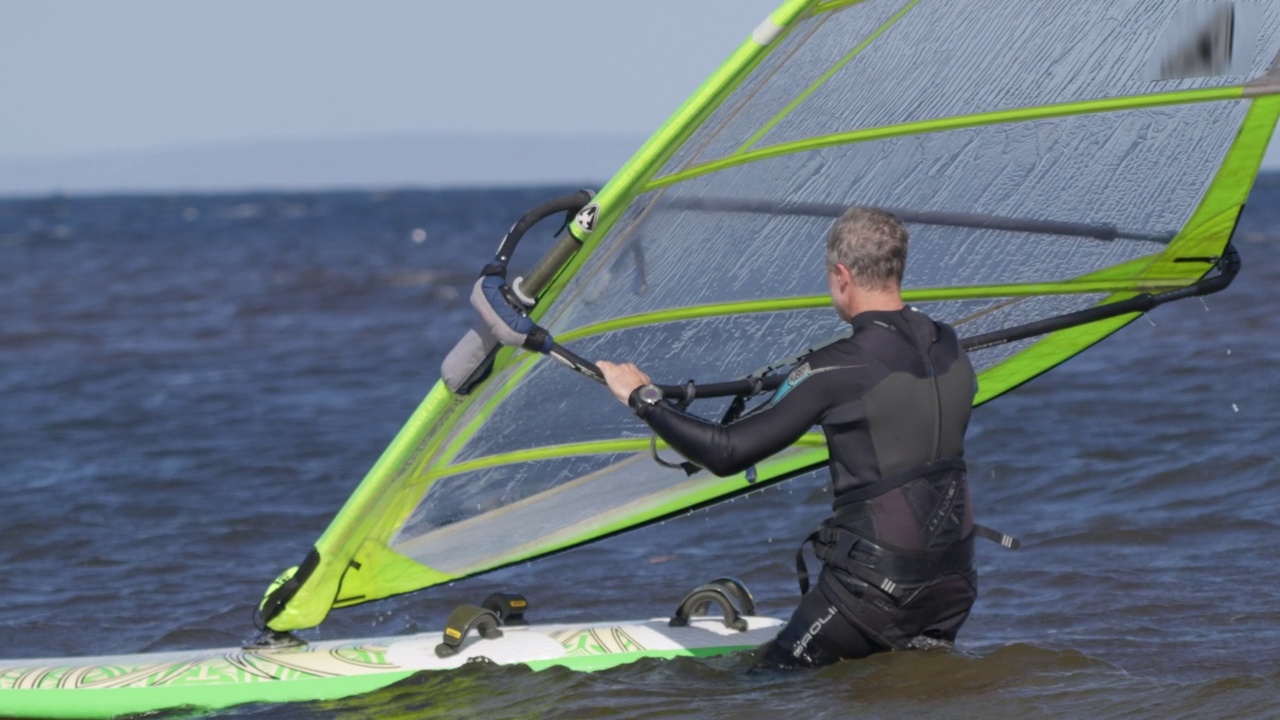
<point x="645" y="396"/>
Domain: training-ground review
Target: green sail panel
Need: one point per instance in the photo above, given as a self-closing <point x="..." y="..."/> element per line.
<point x="1043" y="161"/>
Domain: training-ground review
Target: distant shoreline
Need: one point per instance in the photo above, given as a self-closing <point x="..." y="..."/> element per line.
<point x="388" y="163"/>
<point x="382" y="163"/>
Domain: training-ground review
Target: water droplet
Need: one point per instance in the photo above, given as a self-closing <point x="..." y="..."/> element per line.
<point x="419" y="235"/>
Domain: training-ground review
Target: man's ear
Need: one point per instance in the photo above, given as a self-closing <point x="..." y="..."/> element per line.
<point x="845" y="277"/>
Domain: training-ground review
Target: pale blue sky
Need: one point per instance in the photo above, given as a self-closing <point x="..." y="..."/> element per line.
<point x="131" y="76"/>
<point x="82" y="77"/>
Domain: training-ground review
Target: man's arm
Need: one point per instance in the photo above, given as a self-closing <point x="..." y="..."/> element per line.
<point x="724" y="449"/>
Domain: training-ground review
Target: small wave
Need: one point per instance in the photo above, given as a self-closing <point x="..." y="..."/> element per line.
<point x="193" y="638"/>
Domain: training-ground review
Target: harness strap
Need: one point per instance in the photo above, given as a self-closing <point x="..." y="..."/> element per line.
<point x="802" y="570"/>
<point x="893" y="571"/>
<point x="896" y="480"/>
<point x="1005" y="540"/>
<point x="889" y="569"/>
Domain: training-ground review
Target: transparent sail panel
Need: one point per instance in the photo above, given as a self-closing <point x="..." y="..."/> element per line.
<point x="801" y="58"/>
<point x="989" y="60"/>
<point x="453" y="533"/>
<point x="943" y="59"/>
<point x="506" y="511"/>
<point x="709" y="349"/>
<point x="552" y="406"/>
<point x="1141" y="172"/>
<point x="976" y="317"/>
<point x="1133" y="176"/>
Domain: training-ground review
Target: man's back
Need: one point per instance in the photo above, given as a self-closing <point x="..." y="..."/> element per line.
<point x="898" y="394"/>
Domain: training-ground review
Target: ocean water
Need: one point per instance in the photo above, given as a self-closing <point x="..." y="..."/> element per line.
<point x="191" y="386"/>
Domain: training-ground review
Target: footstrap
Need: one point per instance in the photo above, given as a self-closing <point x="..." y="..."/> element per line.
<point x="729" y="594"/>
<point x="462" y="621"/>
<point x="509" y="607"/>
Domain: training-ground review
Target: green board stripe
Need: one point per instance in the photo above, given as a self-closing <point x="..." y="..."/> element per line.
<point x="218" y="693"/>
<point x="114" y="702"/>
<point x="593" y="663"/>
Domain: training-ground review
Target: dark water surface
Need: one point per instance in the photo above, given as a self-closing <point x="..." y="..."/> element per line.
<point x="192" y="386"/>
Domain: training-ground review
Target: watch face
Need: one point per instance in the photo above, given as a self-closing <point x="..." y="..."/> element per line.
<point x="650" y="394"/>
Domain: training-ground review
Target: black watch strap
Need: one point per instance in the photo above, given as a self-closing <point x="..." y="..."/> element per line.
<point x="633" y="402"/>
<point x="643" y="398"/>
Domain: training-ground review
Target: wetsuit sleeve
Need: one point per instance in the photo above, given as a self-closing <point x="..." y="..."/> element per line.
<point x="729" y="449"/>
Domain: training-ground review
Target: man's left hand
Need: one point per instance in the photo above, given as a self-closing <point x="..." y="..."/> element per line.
<point x="623" y="378"/>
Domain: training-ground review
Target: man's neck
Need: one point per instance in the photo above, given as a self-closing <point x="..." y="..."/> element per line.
<point x="861" y="301"/>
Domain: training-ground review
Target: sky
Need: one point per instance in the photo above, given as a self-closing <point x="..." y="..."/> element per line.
<point x="130" y="77"/>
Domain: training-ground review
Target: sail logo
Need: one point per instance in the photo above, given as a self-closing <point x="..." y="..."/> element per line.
<point x="587" y="216"/>
<point x="1207" y="39"/>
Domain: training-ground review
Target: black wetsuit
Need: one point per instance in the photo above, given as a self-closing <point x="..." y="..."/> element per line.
<point x="894" y="401"/>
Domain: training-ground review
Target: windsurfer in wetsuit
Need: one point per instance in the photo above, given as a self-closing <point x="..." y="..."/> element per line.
<point x="893" y="400"/>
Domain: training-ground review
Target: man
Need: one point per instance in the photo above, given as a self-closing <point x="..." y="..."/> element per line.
<point x="893" y="400"/>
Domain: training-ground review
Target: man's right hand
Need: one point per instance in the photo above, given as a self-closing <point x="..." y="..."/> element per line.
<point x="622" y="378"/>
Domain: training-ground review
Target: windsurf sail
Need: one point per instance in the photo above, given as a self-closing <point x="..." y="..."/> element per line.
<point x="1072" y="160"/>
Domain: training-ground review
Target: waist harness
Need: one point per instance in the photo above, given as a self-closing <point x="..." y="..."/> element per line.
<point x="895" y="571"/>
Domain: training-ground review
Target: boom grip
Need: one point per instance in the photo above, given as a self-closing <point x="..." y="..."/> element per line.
<point x="571" y="203"/>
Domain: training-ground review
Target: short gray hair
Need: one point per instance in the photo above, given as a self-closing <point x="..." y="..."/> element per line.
<point x="872" y="244"/>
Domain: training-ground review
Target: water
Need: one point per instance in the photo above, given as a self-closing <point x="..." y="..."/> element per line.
<point x="192" y="386"/>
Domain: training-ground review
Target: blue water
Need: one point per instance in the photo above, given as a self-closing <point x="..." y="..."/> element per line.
<point x="192" y="386"/>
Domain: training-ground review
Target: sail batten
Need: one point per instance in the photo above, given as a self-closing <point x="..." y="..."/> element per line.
<point x="958" y="122"/>
<point x="813" y="87"/>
